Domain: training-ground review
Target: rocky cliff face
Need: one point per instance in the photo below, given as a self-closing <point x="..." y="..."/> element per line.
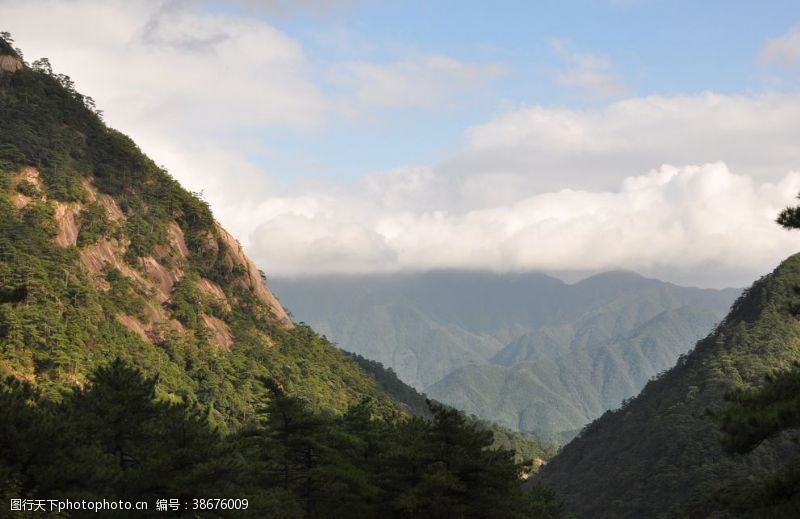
<point x="10" y="60"/>
<point x="155" y="275"/>
<point x="10" y="63"/>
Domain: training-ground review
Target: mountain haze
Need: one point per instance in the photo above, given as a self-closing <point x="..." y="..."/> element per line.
<point x="526" y="350"/>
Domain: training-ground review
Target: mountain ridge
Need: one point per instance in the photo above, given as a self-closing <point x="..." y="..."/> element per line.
<point x="439" y="329"/>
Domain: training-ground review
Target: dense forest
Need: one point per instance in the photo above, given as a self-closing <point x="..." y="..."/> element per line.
<point x="528" y="450"/>
<point x="116" y="440"/>
<point x="712" y="437"/>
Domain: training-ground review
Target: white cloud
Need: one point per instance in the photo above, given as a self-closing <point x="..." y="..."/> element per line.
<point x="673" y="218"/>
<point x="590" y="73"/>
<point x="783" y="50"/>
<point x="170" y="67"/>
<point x="541" y="188"/>
<point x="290" y="6"/>
<point x="425" y="80"/>
<point x="179" y="66"/>
<point x="540" y="148"/>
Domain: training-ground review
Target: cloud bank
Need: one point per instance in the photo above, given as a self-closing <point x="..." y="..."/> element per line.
<point x="672" y="218"/>
<point x="542" y="188"/>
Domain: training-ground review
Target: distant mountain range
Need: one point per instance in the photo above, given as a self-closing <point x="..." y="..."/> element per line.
<point x="526" y="350"/>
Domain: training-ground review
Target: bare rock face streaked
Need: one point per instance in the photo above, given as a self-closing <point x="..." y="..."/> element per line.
<point x="156" y="274"/>
<point x="10" y="63"/>
<point x="66" y="216"/>
<point x="251" y="277"/>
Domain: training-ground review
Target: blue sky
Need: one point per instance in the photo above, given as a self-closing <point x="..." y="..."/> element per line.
<point x="362" y="136"/>
<point x="655" y="47"/>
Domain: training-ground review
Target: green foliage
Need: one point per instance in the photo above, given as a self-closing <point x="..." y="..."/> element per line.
<point x="144" y="233"/>
<point x="27" y="188"/>
<point x="789" y="218"/>
<point x="759" y="413"/>
<point x="123" y="295"/>
<point x="185" y="301"/>
<point x="93" y="224"/>
<point x="40" y="215"/>
<point x="115" y="439"/>
<point x="525" y="446"/>
<point x="754" y="416"/>
<point x="661" y="452"/>
<point x="414" y="402"/>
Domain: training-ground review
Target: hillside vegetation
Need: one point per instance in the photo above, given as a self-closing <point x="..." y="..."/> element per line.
<point x="663" y="454"/>
<point x="115" y="440"/>
<point x="527" y="448"/>
<point x="103" y="255"/>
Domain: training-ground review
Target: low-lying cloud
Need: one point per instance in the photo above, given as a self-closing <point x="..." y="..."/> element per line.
<point x="672" y="218"/>
<point x="564" y="189"/>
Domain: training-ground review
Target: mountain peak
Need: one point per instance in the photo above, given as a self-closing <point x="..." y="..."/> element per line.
<point x="613" y="276"/>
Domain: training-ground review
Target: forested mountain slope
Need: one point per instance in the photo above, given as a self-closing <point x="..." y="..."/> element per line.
<point x="661" y="453"/>
<point x="526" y="447"/>
<point x="104" y="255"/>
<point x="554" y="381"/>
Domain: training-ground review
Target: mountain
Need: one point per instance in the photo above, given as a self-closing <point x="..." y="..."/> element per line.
<point x="421" y="325"/>
<point x="104" y="255"/>
<point x="552" y="384"/>
<point x="662" y="453"/>
<point x="526" y="447"/>
<point x="526" y="350"/>
<point x="143" y="359"/>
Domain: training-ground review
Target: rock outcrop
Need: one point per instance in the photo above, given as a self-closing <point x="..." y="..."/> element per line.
<point x="10" y="63"/>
